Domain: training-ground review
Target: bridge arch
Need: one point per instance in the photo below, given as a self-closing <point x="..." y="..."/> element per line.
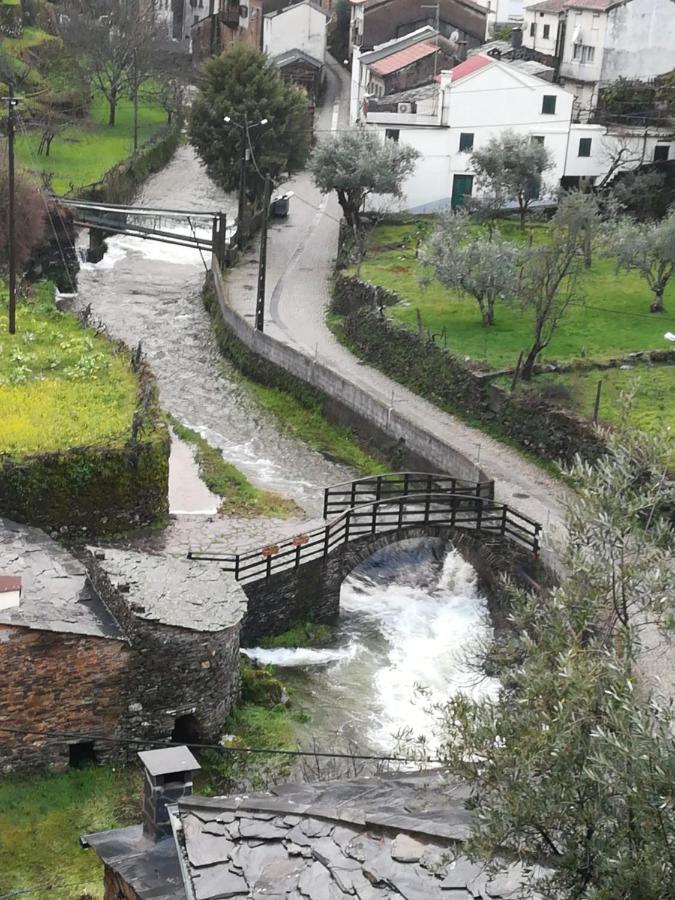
<point x="300" y="578"/>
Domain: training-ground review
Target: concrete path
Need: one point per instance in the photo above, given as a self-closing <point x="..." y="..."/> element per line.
<point x="188" y="495"/>
<point x="301" y="254"/>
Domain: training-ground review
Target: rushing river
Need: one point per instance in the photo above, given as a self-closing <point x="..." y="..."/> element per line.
<point x="409" y="616"/>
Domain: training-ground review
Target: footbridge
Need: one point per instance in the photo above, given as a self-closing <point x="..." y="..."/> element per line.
<point x="206" y="231"/>
<point x="300" y="577"/>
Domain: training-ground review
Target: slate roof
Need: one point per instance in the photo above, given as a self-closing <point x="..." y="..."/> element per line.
<point x="173" y="590"/>
<point x="291" y="56"/>
<point x="367" y="839"/>
<point x="152" y="869"/>
<point x="56" y="594"/>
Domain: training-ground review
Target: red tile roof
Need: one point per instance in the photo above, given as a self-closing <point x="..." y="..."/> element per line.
<point x="403" y="58"/>
<point x="471" y="65"/>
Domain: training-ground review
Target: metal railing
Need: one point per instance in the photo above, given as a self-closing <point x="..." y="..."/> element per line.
<point x="393" y="514"/>
<point x="340" y="497"/>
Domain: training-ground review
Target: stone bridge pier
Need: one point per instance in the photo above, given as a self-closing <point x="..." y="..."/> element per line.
<point x="312" y="590"/>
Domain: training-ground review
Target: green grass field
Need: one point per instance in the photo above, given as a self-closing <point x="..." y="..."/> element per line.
<point x="82" y="155"/>
<point x="611" y="320"/>
<point x="41" y="820"/>
<point x="60" y="385"/>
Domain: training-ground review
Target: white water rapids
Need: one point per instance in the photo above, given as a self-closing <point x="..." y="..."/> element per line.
<point x="408" y="629"/>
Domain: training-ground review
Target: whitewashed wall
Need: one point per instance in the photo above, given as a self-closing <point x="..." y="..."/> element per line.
<point x="300" y="27"/>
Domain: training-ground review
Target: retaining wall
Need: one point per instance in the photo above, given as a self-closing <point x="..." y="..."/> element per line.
<point x="347" y="402"/>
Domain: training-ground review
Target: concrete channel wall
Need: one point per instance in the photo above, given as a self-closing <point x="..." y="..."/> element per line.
<point x="362" y="407"/>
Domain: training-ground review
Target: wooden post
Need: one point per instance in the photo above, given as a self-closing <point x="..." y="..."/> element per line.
<point x="596" y="407"/>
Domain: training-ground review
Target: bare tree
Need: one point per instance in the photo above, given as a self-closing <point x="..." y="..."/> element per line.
<point x="29" y="220"/>
<point x="111" y="49"/>
<point x="624" y="152"/>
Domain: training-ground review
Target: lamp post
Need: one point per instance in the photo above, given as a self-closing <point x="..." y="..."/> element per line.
<point x="12" y="102"/>
<point x="245" y="153"/>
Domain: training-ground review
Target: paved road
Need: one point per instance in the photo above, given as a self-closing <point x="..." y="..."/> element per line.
<point x="300" y="260"/>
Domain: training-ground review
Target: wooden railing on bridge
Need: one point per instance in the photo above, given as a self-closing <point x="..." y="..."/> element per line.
<point x="339" y="497"/>
<point x="394" y="513"/>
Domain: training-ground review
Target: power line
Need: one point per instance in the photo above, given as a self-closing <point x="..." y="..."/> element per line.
<point x="67" y="735"/>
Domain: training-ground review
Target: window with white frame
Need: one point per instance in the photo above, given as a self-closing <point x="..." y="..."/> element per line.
<point x="583" y="53"/>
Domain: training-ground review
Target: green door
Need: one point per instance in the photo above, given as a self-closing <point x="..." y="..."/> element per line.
<point x="462" y="186"/>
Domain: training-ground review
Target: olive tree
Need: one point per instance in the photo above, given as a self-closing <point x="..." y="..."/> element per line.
<point x="572" y="766"/>
<point x="646" y="248"/>
<point x="549" y="280"/>
<point x="473" y="264"/>
<point x="30" y="217"/>
<point x="358" y="163"/>
<point x="511" y="165"/>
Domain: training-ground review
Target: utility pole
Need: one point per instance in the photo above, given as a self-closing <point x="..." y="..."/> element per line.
<point x="437" y="7"/>
<point x="262" y="264"/>
<point x="242" y="186"/>
<point x="12" y="102"/>
<point x="135" y="77"/>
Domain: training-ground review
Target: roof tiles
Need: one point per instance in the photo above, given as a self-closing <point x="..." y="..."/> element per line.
<point x="403" y="58"/>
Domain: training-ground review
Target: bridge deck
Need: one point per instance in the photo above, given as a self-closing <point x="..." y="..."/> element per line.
<point x="394" y="504"/>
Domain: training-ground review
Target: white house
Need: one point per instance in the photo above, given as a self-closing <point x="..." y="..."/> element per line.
<point x="598" y="41"/>
<point x="476" y="101"/>
<point x="541" y="22"/>
<point x="301" y="26"/>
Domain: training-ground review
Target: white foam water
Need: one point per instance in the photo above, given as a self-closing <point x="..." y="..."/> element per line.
<point x="300" y="656"/>
<point x="429" y="633"/>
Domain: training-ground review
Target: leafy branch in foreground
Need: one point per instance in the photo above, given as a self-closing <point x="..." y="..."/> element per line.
<point x="572" y="767"/>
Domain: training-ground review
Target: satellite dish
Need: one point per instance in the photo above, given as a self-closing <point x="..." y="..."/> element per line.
<point x="454" y="37"/>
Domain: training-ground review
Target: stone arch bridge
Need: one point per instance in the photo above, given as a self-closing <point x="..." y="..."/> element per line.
<point x="299" y="578"/>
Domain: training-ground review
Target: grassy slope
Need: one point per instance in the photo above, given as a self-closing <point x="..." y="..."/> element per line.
<point x="60" y="385"/>
<point x="81" y="156"/>
<point x="42" y="818"/>
<point x="309" y="424"/>
<point x="240" y="497"/>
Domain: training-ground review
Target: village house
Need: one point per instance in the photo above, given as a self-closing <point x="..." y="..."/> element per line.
<point x="226" y="23"/>
<point x="364" y="838"/>
<point x="483" y="96"/>
<point x="399" y="64"/>
<point x="113" y="648"/>
<point x="295" y="39"/>
<point x="597" y="41"/>
<point x="374" y="22"/>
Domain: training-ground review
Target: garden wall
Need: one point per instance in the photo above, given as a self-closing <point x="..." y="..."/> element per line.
<point x="428" y="369"/>
<point x="94" y="490"/>
<point x="272" y="362"/>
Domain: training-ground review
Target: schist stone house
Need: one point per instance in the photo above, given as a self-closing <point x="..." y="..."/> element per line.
<point x="115" y="648"/>
<point x="366" y="839"/>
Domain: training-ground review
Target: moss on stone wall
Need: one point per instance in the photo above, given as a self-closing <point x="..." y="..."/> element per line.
<point x="94" y="490"/>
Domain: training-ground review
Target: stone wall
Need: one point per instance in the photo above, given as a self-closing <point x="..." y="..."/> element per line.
<point x="347" y="402"/>
<point x="173" y="672"/>
<point x="59" y="682"/>
<point x="312" y="591"/>
<point x="94" y="489"/>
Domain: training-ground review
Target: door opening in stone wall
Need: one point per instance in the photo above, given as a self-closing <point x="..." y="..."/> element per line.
<point x="185" y="730"/>
<point x="81" y="755"/>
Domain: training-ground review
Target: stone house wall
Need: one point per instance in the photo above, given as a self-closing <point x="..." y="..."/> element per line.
<point x="174" y="672"/>
<point x="58" y="682"/>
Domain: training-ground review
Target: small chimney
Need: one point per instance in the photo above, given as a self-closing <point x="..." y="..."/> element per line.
<point x="168" y="778"/>
<point x="516" y="38"/>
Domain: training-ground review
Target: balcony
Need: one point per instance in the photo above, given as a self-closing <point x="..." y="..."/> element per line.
<point x="229" y="14"/>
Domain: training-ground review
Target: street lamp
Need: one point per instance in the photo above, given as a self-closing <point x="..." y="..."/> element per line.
<point x="245" y="151"/>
